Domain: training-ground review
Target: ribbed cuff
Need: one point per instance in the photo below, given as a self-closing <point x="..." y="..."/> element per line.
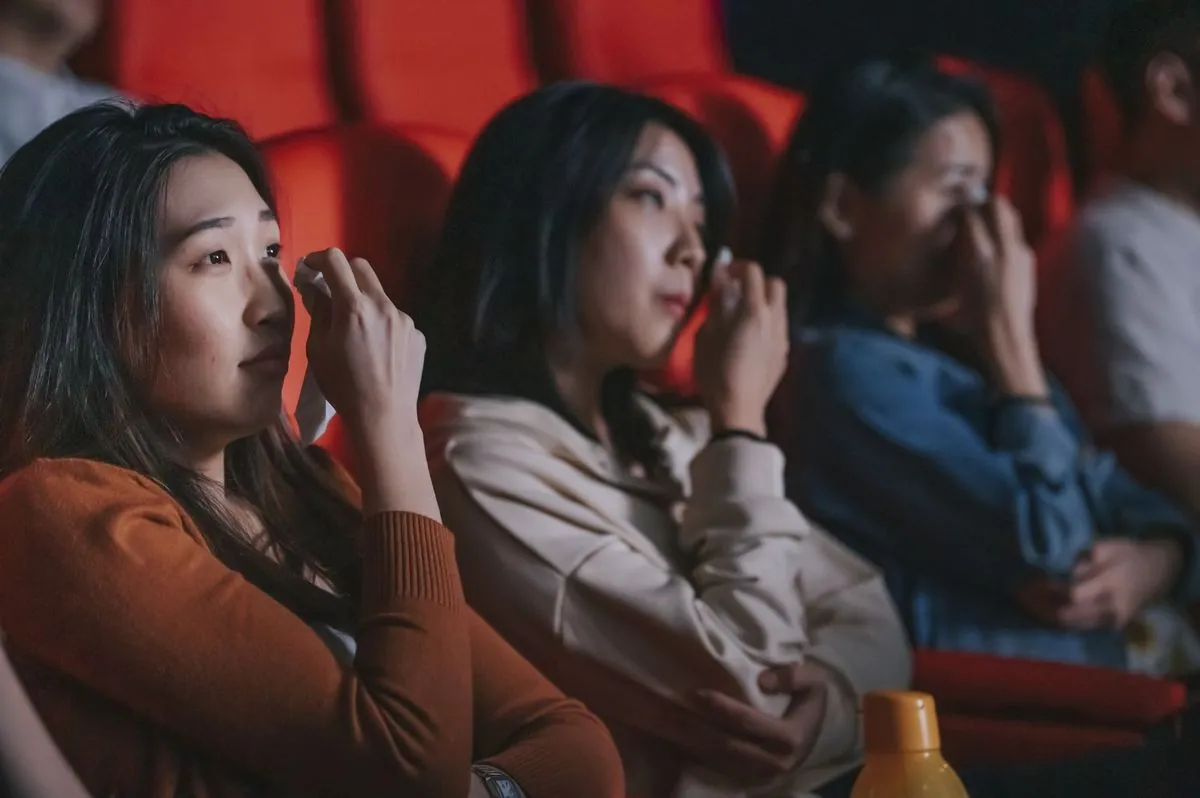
<point x="406" y="555"/>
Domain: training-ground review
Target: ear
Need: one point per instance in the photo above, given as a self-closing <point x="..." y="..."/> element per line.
<point x="837" y="209"/>
<point x="1171" y="88"/>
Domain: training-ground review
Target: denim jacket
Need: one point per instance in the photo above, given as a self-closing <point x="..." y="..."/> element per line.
<point x="959" y="496"/>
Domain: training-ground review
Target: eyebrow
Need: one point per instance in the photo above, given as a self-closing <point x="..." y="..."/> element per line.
<point x="957" y="169"/>
<point x="638" y="166"/>
<point x="215" y="223"/>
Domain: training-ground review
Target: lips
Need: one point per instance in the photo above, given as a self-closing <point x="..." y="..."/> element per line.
<point x="677" y="304"/>
<point x="274" y="354"/>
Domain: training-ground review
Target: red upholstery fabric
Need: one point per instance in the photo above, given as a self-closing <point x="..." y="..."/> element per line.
<point x="992" y="741"/>
<point x="1033" y="170"/>
<point x="673" y="49"/>
<point x="628" y="41"/>
<point x="451" y="64"/>
<point x="262" y="63"/>
<point x="376" y="194"/>
<point x="987" y="685"/>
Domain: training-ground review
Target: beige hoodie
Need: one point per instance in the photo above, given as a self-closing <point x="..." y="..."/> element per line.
<point x="632" y="594"/>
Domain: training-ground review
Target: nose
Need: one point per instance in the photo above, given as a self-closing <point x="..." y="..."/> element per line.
<point x="270" y="300"/>
<point x="688" y="249"/>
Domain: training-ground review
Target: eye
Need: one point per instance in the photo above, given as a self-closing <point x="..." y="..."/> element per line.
<point x="218" y="258"/>
<point x="274" y="251"/>
<point x="649" y="195"/>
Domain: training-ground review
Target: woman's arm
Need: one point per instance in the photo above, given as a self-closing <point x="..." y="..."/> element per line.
<point x="884" y="454"/>
<point x="524" y="726"/>
<point x="31" y="766"/>
<point x="101" y="581"/>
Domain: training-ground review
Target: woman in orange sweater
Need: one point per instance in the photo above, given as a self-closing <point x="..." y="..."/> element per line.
<point x="197" y="605"/>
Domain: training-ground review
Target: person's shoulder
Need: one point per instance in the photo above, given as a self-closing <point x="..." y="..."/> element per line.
<point x="452" y="417"/>
<point x="85" y="496"/>
<point x="1131" y="217"/>
<point x="65" y="482"/>
<point x="851" y="362"/>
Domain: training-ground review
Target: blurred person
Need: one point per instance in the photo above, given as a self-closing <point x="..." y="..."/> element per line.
<point x="36" y="86"/>
<point x="31" y="766"/>
<point x="1122" y="326"/>
<point x="197" y="604"/>
<point x="921" y="425"/>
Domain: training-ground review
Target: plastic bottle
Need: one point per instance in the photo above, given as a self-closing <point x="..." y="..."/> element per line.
<point x="903" y="750"/>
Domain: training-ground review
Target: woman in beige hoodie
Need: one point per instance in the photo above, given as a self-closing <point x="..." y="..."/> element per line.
<point x="645" y="559"/>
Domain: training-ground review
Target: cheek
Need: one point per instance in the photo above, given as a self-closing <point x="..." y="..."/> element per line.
<point x="197" y="353"/>
<point x="618" y="272"/>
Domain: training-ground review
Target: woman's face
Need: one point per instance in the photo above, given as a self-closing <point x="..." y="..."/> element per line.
<point x="895" y="243"/>
<point x="639" y="268"/>
<point x="227" y="308"/>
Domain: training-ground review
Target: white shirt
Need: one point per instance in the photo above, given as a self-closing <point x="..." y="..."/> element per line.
<point x="31" y="100"/>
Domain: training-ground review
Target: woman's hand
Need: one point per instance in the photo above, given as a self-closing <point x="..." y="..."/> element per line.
<point x="1118" y="579"/>
<point x="998" y="273"/>
<point x="742" y="347"/>
<point x="1110" y="586"/>
<point x="759" y="748"/>
<point x="367" y="357"/>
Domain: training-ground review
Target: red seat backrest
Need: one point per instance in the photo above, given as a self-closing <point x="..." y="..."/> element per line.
<point x="451" y="64"/>
<point x="1034" y="169"/>
<point x="627" y="41"/>
<point x="262" y="63"/>
<point x="368" y="192"/>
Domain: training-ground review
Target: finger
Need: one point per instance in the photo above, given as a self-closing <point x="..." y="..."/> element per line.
<point x="1085" y="616"/>
<point x="1011" y="232"/>
<point x="754" y="289"/>
<point x="367" y="279"/>
<point x="1088" y="567"/>
<point x="776" y="293"/>
<point x="1093" y="590"/>
<point x="990" y="213"/>
<point x="792" y="678"/>
<point x="978" y="239"/>
<point x="743" y="720"/>
<point x="339" y="276"/>
<point x="724" y="290"/>
<point x="319" y="310"/>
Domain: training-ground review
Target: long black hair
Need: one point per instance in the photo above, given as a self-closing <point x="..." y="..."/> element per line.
<point x="80" y="251"/>
<point x="864" y="122"/>
<point x="504" y="278"/>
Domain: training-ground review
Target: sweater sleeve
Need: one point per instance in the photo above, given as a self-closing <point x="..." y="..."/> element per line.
<point x="547" y="743"/>
<point x="101" y="581"/>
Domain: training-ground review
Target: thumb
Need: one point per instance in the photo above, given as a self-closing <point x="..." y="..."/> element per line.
<point x="321" y="311"/>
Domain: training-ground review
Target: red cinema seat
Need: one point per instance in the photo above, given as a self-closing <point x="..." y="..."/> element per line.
<point x="372" y="193"/>
<point x="262" y="63"/>
<point x="444" y="64"/>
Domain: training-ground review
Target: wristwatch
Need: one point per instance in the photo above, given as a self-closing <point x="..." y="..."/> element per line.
<point x="498" y="783"/>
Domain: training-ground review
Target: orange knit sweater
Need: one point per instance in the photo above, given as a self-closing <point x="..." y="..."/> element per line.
<point x="162" y="673"/>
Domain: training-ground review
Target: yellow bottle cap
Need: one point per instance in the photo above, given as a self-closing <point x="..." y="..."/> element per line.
<point x="898" y="722"/>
